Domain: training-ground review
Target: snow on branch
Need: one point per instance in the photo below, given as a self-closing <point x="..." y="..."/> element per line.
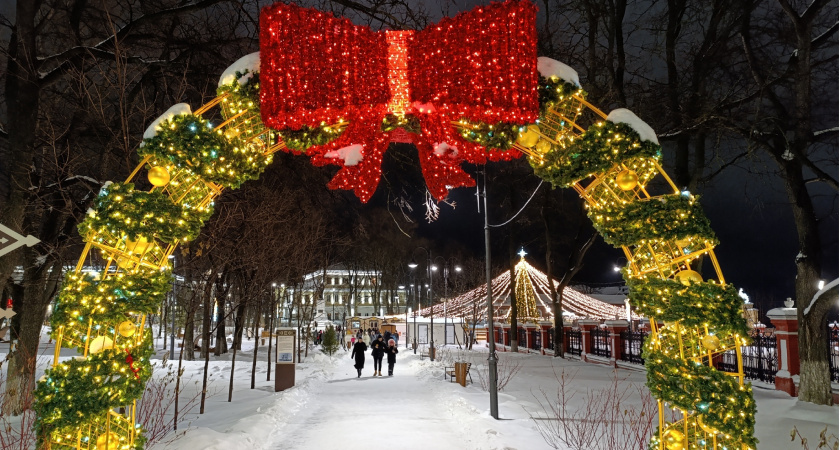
<point x="819" y="294"/>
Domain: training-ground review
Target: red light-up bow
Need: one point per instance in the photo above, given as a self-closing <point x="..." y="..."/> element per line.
<point x="317" y="69"/>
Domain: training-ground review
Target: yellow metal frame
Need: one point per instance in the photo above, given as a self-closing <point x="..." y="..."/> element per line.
<point x="662" y="257"/>
<point x="113" y="251"/>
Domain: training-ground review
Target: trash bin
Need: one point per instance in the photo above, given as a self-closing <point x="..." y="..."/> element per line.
<point x="461" y="373"/>
<point x="432" y="353"/>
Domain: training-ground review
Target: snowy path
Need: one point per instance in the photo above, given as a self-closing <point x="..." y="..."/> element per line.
<point x="372" y="411"/>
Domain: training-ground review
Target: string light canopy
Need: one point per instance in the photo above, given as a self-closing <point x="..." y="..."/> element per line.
<point x="576" y="305"/>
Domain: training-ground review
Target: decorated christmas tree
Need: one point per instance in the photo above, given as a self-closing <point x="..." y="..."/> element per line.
<point x="526" y="300"/>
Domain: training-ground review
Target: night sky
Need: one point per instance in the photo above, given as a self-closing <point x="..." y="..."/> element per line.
<point x="749" y="213"/>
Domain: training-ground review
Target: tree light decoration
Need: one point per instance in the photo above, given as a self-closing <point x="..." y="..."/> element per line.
<point x="330" y="85"/>
<point x="610" y="166"/>
<point x="526" y="300"/>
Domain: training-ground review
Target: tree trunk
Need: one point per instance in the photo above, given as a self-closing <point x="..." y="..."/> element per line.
<point x="256" y="344"/>
<point x="25" y="330"/>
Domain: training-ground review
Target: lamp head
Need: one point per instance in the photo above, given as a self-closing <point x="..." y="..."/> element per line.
<point x="412" y="264"/>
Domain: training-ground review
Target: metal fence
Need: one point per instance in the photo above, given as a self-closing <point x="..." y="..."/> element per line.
<point x="549" y="339"/>
<point x="833" y="351"/>
<point x="600" y="343"/>
<point x="523" y="336"/>
<point x="574" y="341"/>
<point x="536" y="341"/>
<point x="632" y="343"/>
<point x="761" y="361"/>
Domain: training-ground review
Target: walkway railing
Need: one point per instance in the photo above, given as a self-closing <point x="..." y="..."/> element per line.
<point x="761" y="361"/>
<point x="632" y="343"/>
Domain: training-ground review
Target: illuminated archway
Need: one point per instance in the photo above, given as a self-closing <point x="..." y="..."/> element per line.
<point x="610" y="160"/>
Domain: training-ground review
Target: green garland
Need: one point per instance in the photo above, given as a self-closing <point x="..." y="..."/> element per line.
<point x="248" y="93"/>
<point x="669" y="217"/>
<point x="110" y="300"/>
<point x="300" y="140"/>
<point x="552" y="92"/>
<point x="119" y="209"/>
<point x="557" y="93"/>
<point x="408" y="122"/>
<point x="725" y="406"/>
<point x="500" y="136"/>
<point x="189" y="141"/>
<point x="78" y="390"/>
<point x="604" y="145"/>
<point x="693" y="305"/>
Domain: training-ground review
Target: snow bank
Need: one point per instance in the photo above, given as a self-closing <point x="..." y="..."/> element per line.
<point x="175" y="110"/>
<point x="251" y="63"/>
<point x="626" y="116"/>
<point x="352" y="154"/>
<point x="548" y="68"/>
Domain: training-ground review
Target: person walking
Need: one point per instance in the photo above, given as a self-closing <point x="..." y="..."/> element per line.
<point x="359" y="349"/>
<point x="391" y="351"/>
<point x="366" y="338"/>
<point x="378" y="352"/>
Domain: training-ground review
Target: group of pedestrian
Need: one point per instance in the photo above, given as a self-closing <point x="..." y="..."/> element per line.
<point x="379" y="349"/>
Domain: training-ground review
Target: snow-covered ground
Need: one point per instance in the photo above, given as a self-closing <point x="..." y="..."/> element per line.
<point x="417" y="409"/>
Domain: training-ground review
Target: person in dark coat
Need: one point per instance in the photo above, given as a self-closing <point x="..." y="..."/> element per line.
<point x="387" y="336"/>
<point x="391" y="351"/>
<point x="359" y="349"/>
<point x="378" y="353"/>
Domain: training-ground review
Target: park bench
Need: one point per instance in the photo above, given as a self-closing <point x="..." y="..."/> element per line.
<point x="450" y="372"/>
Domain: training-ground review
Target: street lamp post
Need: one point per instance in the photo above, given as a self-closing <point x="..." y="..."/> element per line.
<point x="446" y="264"/>
<point x="172" y="313"/>
<point x="491" y="359"/>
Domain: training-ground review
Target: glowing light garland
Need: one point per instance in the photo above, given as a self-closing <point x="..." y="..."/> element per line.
<point x="333" y="91"/>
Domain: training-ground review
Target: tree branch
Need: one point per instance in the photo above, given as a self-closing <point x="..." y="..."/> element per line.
<point x="73" y="56"/>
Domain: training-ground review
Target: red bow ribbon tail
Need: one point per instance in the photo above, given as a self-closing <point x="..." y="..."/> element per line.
<point x="130" y="361"/>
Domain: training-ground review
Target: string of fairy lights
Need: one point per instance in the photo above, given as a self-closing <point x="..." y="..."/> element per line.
<point x="576" y="305"/>
<point x="693" y="320"/>
<point x="321" y="96"/>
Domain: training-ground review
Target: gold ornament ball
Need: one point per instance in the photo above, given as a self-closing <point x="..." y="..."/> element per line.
<point x="127" y="329"/>
<point x="108" y="441"/>
<point x="687" y="277"/>
<point x="705" y="427"/>
<point x="530" y="136"/>
<point x="158" y="176"/>
<point x="683" y="243"/>
<point x="710" y="342"/>
<point x="627" y="180"/>
<point x="100" y="343"/>
<point x="543" y="146"/>
<point x="674" y="440"/>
